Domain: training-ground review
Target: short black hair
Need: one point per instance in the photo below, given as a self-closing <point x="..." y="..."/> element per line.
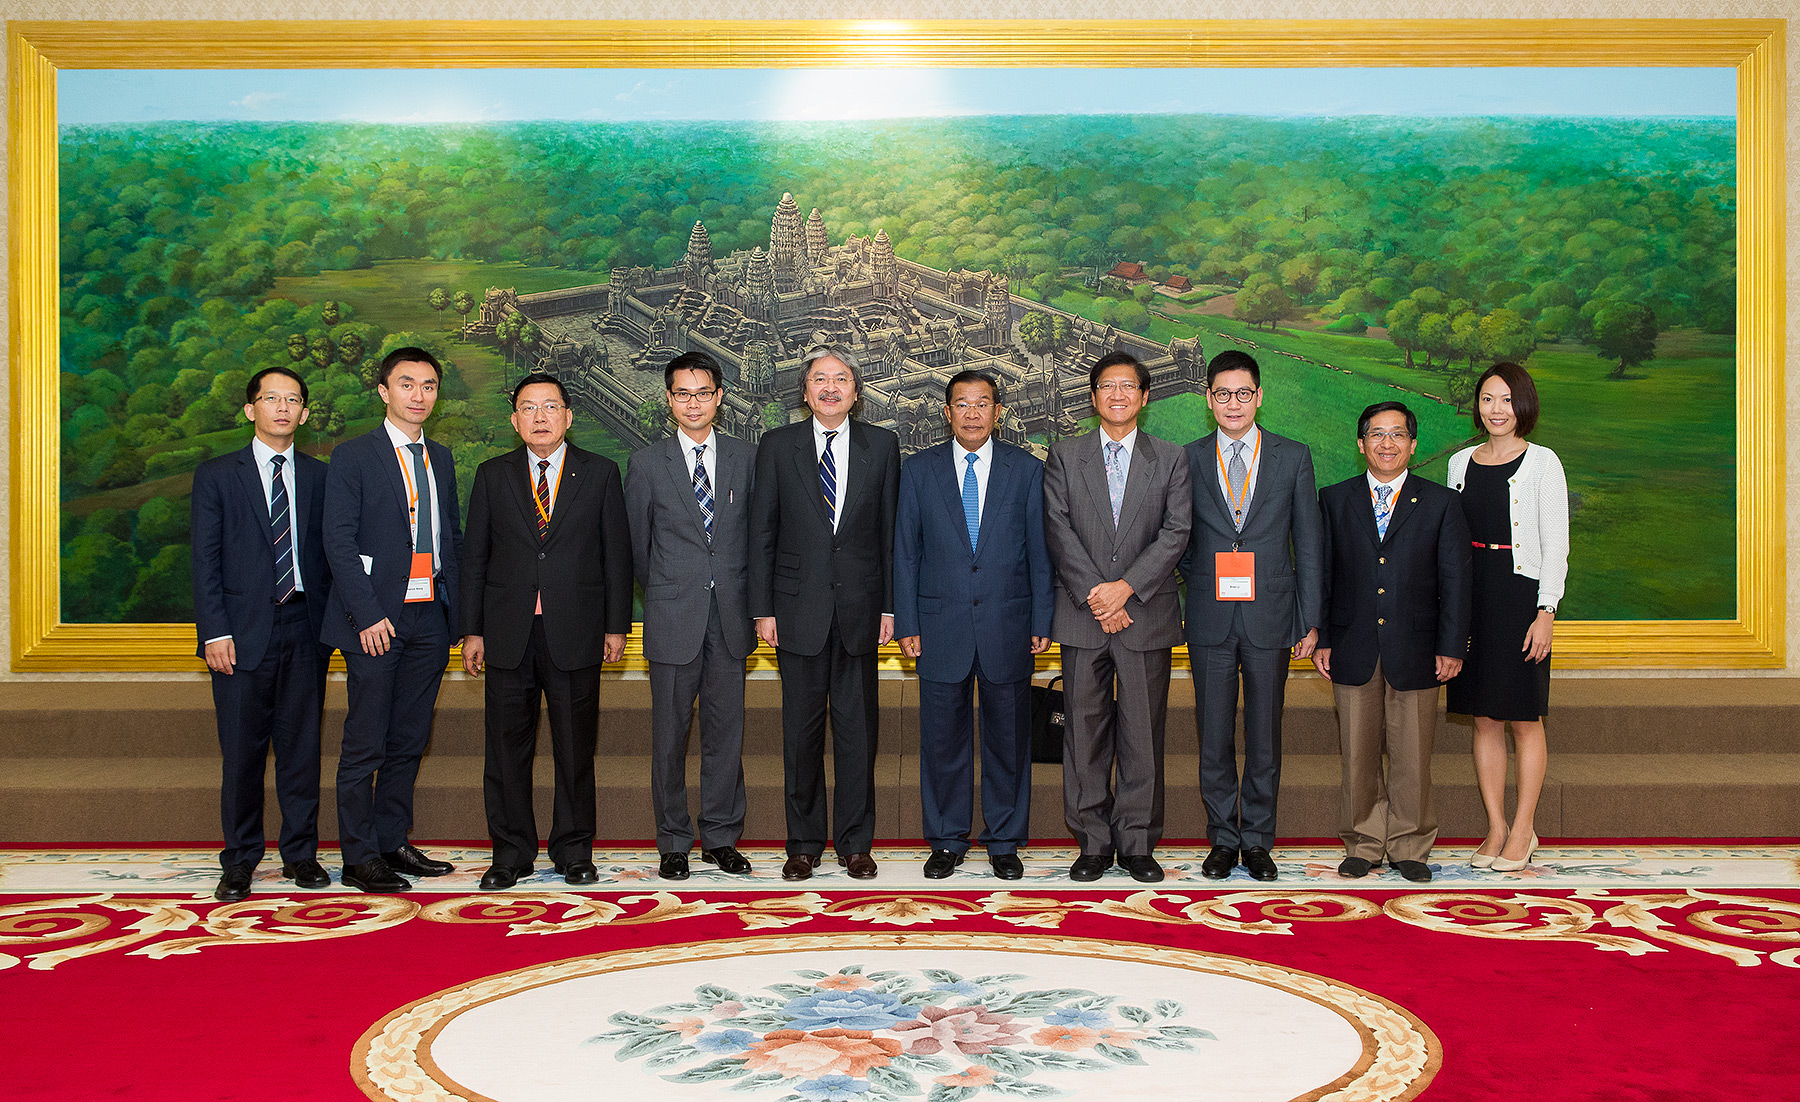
<point x="693" y="361"/>
<point x="962" y="377"/>
<point x="253" y="389"/>
<point x="1524" y="396"/>
<point x="1119" y="359"/>
<point x="1412" y="419"/>
<point x="534" y="379"/>
<point x="1233" y="360"/>
<point x="408" y="355"/>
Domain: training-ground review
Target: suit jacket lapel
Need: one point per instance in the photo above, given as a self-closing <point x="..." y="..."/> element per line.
<point x="1093" y="469"/>
<point x="1137" y="478"/>
<point x="252" y="479"/>
<point x="1403" y="509"/>
<point x="948" y="480"/>
<point x="851" y="482"/>
<point x="572" y="484"/>
<point x="683" y="482"/>
<point x="1268" y="475"/>
<point x="395" y="480"/>
<point x="999" y="476"/>
<point x="806" y="461"/>
<point x="1209" y="445"/>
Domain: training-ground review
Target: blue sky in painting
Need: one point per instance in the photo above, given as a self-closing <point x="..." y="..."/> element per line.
<point x="616" y="95"/>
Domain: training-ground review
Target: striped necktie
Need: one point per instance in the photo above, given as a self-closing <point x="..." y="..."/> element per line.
<point x="828" y="478"/>
<point x="281" y="530"/>
<point x="542" y="496"/>
<point x="703" y="490"/>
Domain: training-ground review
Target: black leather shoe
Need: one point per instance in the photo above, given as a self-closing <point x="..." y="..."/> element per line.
<point x="860" y="866"/>
<point x="941" y="863"/>
<point x="728" y="859"/>
<point x="1354" y="868"/>
<point x="234" y="883"/>
<point x="501" y="877"/>
<point x="1416" y="871"/>
<point x="580" y="872"/>
<point x="1143" y="868"/>
<point x="1090" y="866"/>
<point x="375" y="876"/>
<point x="799" y="866"/>
<point x="673" y="866"/>
<point x="1219" y="863"/>
<point x="1007" y="866"/>
<point x="410" y="860"/>
<point x="1260" y="864"/>
<point x="306" y="874"/>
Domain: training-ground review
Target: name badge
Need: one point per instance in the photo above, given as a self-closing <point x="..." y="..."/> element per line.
<point x="1235" y="574"/>
<point x="418" y="583"/>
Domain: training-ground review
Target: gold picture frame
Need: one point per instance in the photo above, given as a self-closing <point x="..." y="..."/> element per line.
<point x="1756" y="638"/>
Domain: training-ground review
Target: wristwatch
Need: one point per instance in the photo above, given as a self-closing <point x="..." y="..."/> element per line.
<point x="1551" y="609"/>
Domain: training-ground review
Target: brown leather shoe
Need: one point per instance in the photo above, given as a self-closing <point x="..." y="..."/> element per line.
<point x="800" y="866"/>
<point x="860" y="866"/>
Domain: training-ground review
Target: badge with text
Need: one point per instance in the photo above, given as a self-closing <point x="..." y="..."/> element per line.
<point x="418" y="582"/>
<point x="1235" y="572"/>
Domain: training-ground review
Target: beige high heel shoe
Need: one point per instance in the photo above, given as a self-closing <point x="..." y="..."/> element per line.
<point x="1501" y="864"/>
<point x="1481" y="860"/>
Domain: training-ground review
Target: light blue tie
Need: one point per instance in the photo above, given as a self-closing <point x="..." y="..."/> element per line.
<point x="971" y="499"/>
<point x="1115" y="478"/>
<point x="1382" y="512"/>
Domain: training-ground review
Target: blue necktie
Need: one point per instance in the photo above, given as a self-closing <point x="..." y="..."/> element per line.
<point x="282" y="530"/>
<point x="971" y="499"/>
<point x="828" y="478"/>
<point x="703" y="490"/>
<point x="1382" y="512"/>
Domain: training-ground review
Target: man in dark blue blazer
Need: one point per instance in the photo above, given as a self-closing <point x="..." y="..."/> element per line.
<point x="260" y="586"/>
<point x="394" y="542"/>
<point x="972" y="603"/>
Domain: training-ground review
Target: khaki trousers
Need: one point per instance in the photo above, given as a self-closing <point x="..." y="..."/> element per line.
<point x="1387" y="817"/>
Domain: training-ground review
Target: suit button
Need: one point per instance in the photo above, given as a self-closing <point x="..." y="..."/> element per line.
<point x="540" y="554"/>
<point x="1115" y="558"/>
<point x="1382" y="561"/>
<point x="1381" y="591"/>
<point x="978" y="602"/>
<point x="1379" y="620"/>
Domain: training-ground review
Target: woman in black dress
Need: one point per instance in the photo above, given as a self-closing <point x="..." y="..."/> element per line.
<point x="1516" y="501"/>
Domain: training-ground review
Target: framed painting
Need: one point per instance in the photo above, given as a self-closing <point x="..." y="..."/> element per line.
<point x="1374" y="209"/>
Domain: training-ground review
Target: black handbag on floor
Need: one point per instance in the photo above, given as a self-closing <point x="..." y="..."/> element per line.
<point x="1047" y="722"/>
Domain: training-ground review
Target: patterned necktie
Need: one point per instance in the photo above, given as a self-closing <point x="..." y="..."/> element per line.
<point x="421" y="478"/>
<point x="828" y="477"/>
<point x="971" y="499"/>
<point x="542" y="497"/>
<point x="703" y="490"/>
<point x="1236" y="475"/>
<point x="1115" y="478"/>
<point x="281" y="530"/>
<point x="1382" y="512"/>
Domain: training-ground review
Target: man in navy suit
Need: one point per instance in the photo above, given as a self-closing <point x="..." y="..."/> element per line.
<point x="394" y="542"/>
<point x="260" y="585"/>
<point x="1396" y="626"/>
<point x="972" y="603"/>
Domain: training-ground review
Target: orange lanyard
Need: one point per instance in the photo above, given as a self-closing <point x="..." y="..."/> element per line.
<point x="412" y="502"/>
<point x="1244" y="499"/>
<point x="544" y="507"/>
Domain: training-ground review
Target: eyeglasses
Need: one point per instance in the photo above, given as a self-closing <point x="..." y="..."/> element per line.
<point x="683" y="397"/>
<point x="1243" y="394"/>
<point x="282" y="401"/>
<point x="1398" y="436"/>
<point x="981" y="407"/>
<point x="822" y="379"/>
<point x="1114" y="386"/>
<point x="548" y="409"/>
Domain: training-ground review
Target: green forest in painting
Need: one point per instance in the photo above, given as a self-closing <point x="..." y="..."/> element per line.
<point x="1404" y="252"/>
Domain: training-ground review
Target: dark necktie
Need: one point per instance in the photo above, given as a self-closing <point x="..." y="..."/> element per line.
<point x="542" y="497"/>
<point x="828" y="478"/>
<point x="281" y="530"/>
<point x="703" y="490"/>
<point x="422" y="509"/>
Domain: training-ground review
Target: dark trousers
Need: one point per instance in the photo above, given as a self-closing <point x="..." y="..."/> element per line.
<point x="278" y="703"/>
<point x="392" y="696"/>
<point x="716" y="680"/>
<point x="1116" y="700"/>
<point x="573" y="700"/>
<point x="1239" y="815"/>
<point x="843" y="686"/>
<point x="947" y="761"/>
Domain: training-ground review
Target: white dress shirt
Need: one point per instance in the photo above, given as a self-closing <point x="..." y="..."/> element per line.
<point x="840" y="460"/>
<point x="1252" y="461"/>
<point x="710" y="457"/>
<point x="552" y="473"/>
<point x="403" y="455"/>
<point x="984" y="465"/>
<point x="265" y="470"/>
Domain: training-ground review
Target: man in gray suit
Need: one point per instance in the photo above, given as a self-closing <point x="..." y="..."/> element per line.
<point x="1253" y="567"/>
<point x="689" y="499"/>
<point x="1117" y="509"/>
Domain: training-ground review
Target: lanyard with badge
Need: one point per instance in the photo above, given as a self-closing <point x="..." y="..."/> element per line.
<point x="419" y="578"/>
<point x="1234" y="571"/>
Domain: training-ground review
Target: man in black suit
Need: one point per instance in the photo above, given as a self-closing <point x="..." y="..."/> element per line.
<point x="1252" y="568"/>
<point x="973" y="604"/>
<point x="822" y="593"/>
<point x="394" y="540"/>
<point x="690" y="497"/>
<point x="547" y="559"/>
<point x="1396" y="627"/>
<point x="260" y="584"/>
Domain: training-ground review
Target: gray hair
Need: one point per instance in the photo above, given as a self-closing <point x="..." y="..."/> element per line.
<point x="843" y="354"/>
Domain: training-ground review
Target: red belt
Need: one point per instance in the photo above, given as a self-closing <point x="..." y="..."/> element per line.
<point x="1491" y="546"/>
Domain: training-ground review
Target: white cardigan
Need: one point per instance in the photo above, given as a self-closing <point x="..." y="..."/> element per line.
<point x="1540" y="517"/>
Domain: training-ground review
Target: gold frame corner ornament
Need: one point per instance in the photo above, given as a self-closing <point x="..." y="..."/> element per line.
<point x="1755" y="48"/>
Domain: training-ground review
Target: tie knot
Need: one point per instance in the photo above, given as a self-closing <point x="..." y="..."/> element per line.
<point x="699" y="450"/>
<point x="970" y="459"/>
<point x="543" y="465"/>
<point x="1381" y="495"/>
<point x="1237" y="449"/>
<point x="1113" y="448"/>
<point x="417" y="447"/>
<point x="830" y="435"/>
<point x="278" y="461"/>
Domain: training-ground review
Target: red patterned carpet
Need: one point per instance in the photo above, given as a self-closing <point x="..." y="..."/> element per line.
<point x="1308" y="990"/>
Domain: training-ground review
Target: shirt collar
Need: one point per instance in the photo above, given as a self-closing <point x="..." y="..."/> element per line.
<point x="555" y="457"/>
<point x="985" y="452"/>
<point x="819" y="431"/>
<point x="710" y="443"/>
<point x="1399" y="481"/>
<point x="1251" y="441"/>
<point x="264" y="453"/>
<point x="397" y="436"/>
<point x="1130" y="441"/>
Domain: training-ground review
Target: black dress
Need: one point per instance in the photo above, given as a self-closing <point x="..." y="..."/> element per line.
<point x="1497" y="680"/>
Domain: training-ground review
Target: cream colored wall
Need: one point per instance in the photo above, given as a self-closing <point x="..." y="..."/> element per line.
<point x="992" y="9"/>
